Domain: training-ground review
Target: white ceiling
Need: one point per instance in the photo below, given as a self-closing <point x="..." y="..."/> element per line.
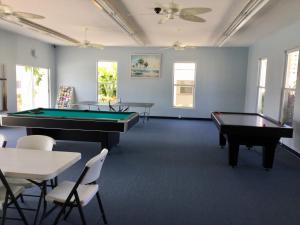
<point x="71" y="16"/>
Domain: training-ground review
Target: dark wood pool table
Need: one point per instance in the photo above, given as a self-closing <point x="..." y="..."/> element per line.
<point x="250" y="129"/>
<point x="77" y="125"/>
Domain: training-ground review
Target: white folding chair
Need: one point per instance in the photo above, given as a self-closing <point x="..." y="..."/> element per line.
<point x="35" y="142"/>
<point x="80" y="193"/>
<point x="9" y="195"/>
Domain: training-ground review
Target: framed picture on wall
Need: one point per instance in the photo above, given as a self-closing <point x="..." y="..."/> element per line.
<point x="145" y="65"/>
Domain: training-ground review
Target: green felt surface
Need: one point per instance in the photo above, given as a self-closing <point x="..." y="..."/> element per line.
<point x="75" y="114"/>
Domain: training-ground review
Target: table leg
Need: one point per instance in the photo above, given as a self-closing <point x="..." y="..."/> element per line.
<point x="44" y="200"/>
<point x="222" y="140"/>
<point x="148" y="117"/>
<point x="110" y="140"/>
<point x="41" y="199"/>
<point x="268" y="155"/>
<point x="233" y="153"/>
<point x="12" y="197"/>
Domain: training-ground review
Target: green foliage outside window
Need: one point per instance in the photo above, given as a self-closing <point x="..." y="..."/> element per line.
<point x="107" y="82"/>
<point x="36" y="72"/>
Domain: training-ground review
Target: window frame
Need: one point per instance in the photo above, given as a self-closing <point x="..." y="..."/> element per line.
<point x="258" y="80"/>
<point x="49" y="80"/>
<point x="194" y="86"/>
<point x="117" y="89"/>
<point x="283" y="88"/>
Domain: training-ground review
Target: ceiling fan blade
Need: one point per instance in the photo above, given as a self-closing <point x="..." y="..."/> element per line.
<point x="179" y="48"/>
<point x="27" y="15"/>
<point x="158" y="4"/>
<point x="194" y="11"/>
<point x="192" y="18"/>
<point x="163" y="20"/>
<point x="190" y="46"/>
<point x="12" y="20"/>
<point x="174" y="7"/>
<point x="5" y="9"/>
<point x="94" y="45"/>
<point x="82" y="45"/>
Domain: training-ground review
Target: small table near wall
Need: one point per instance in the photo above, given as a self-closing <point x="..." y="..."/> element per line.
<point x="89" y="104"/>
<point x="125" y="106"/>
<point x="118" y="106"/>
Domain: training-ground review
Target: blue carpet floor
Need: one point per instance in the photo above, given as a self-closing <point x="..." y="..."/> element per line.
<point x="172" y="172"/>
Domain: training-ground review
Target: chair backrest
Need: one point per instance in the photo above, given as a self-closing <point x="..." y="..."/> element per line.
<point x="37" y="142"/>
<point x="94" y="166"/>
<point x="2" y="141"/>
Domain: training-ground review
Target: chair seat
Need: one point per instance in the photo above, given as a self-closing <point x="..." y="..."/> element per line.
<point x="61" y="192"/>
<point x="20" y="182"/>
<point x="16" y="190"/>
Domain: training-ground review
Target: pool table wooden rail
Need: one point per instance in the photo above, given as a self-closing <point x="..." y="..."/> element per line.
<point x="65" y="123"/>
<point x="280" y="129"/>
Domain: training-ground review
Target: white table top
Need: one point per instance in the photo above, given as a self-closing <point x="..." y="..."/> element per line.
<point x="130" y="104"/>
<point x="35" y="164"/>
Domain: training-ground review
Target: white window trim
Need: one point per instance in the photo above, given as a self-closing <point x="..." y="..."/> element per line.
<point x="117" y="94"/>
<point x="284" y="79"/>
<point x="173" y="85"/>
<point x="258" y="80"/>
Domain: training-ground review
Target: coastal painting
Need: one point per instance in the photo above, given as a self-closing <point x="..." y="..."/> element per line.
<point x="145" y="65"/>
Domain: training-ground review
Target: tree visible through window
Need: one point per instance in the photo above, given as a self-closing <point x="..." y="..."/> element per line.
<point x="289" y="89"/>
<point x="107" y="81"/>
<point x="262" y="85"/>
<point x="32" y="87"/>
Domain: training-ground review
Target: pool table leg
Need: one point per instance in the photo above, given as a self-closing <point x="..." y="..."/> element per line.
<point x="222" y="140"/>
<point x="233" y="153"/>
<point x="111" y="139"/>
<point x="268" y="154"/>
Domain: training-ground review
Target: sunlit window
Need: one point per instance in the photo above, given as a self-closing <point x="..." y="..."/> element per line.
<point x="32" y="87"/>
<point x="263" y="63"/>
<point x="107" y="81"/>
<point x="184" y="85"/>
<point x="289" y="89"/>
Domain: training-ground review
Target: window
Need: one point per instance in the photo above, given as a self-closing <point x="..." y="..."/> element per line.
<point x="184" y="85"/>
<point x="262" y="85"/>
<point x="32" y="87"/>
<point x="289" y="88"/>
<point x="107" y="81"/>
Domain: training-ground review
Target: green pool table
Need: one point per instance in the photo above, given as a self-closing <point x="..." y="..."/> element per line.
<point x="78" y="125"/>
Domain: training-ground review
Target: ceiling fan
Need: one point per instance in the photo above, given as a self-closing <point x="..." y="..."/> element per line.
<point x="88" y="44"/>
<point x="179" y="46"/>
<point x="173" y="10"/>
<point x="7" y="12"/>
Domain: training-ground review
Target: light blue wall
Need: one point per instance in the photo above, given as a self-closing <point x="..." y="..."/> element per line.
<point x="16" y="50"/>
<point x="220" y="77"/>
<point x="273" y="47"/>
